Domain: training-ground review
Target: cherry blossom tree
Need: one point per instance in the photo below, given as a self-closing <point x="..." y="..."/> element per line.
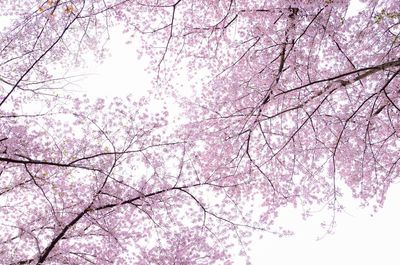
<point x="297" y="102"/>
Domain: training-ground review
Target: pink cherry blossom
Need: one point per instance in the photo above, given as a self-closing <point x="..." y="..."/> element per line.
<point x="293" y="104"/>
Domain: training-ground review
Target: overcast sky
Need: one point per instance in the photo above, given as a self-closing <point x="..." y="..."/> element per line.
<point x="358" y="238"/>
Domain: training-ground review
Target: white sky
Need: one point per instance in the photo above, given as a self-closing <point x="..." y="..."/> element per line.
<point x="358" y="239"/>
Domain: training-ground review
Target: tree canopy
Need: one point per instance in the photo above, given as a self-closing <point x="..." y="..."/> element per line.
<point x="291" y="104"/>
